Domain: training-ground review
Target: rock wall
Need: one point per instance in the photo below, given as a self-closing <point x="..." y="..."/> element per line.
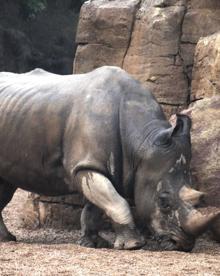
<point x="154" y="40"/>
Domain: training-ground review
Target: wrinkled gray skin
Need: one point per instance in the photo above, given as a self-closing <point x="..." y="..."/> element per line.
<point x="100" y="133"/>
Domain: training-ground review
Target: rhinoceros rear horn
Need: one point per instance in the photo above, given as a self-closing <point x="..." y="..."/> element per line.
<point x="190" y="195"/>
<point x="196" y="222"/>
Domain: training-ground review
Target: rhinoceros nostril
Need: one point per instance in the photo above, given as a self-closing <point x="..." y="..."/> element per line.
<point x="202" y="202"/>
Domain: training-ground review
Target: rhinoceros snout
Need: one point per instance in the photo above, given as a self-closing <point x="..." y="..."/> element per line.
<point x="185" y="244"/>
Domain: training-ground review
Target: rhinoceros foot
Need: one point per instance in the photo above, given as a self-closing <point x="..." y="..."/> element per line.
<point x="7" y="238"/>
<point x="127" y="238"/>
<point x="94" y="241"/>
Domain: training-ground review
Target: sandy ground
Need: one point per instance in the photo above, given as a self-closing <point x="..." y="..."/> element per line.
<point x="50" y="252"/>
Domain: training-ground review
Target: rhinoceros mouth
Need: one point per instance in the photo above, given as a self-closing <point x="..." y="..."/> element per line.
<point x="185" y="243"/>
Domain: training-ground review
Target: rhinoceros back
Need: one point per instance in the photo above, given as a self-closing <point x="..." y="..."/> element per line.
<point x="48" y="120"/>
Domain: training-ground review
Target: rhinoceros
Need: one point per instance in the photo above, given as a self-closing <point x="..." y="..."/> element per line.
<point x="104" y="135"/>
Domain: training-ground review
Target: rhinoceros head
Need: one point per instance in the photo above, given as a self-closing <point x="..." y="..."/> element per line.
<point x="164" y="199"/>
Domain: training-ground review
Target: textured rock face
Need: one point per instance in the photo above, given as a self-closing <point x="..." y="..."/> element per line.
<point x="103" y="33"/>
<point x="206" y="150"/>
<point x="153" y="54"/>
<point x="154" y="40"/>
<point x="202" y="18"/>
<point x="206" y="71"/>
<point x="140" y="36"/>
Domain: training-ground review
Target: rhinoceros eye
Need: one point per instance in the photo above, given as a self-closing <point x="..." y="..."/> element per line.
<point x="164" y="201"/>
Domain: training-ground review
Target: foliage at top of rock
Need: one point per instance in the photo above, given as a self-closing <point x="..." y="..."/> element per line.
<point x="38" y="33"/>
<point x="30" y="8"/>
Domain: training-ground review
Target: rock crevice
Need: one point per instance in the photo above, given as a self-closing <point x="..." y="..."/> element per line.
<point x="137" y="7"/>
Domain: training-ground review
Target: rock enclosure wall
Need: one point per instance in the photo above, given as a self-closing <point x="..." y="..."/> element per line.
<point x="154" y="40"/>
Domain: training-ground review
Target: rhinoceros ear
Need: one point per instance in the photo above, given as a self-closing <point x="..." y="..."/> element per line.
<point x="180" y="125"/>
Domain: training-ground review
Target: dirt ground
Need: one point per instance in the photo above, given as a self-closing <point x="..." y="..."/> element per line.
<point x="54" y="252"/>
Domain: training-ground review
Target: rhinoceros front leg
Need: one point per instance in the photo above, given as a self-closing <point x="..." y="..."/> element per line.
<point x="91" y="221"/>
<point x="100" y="191"/>
<point x="6" y="193"/>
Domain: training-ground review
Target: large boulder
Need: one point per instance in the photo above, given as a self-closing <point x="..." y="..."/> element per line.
<point x="103" y="33"/>
<point x="202" y="18"/>
<point x="206" y="71"/>
<point x="140" y="36"/>
<point x="206" y="151"/>
<point x="153" y="53"/>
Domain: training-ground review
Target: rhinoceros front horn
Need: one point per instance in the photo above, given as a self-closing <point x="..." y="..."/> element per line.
<point x="196" y="222"/>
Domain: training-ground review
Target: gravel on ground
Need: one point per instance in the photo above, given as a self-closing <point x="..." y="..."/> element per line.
<point x="55" y="252"/>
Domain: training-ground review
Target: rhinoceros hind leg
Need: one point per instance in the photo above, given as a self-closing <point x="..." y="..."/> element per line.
<point x="91" y="219"/>
<point x="6" y="194"/>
